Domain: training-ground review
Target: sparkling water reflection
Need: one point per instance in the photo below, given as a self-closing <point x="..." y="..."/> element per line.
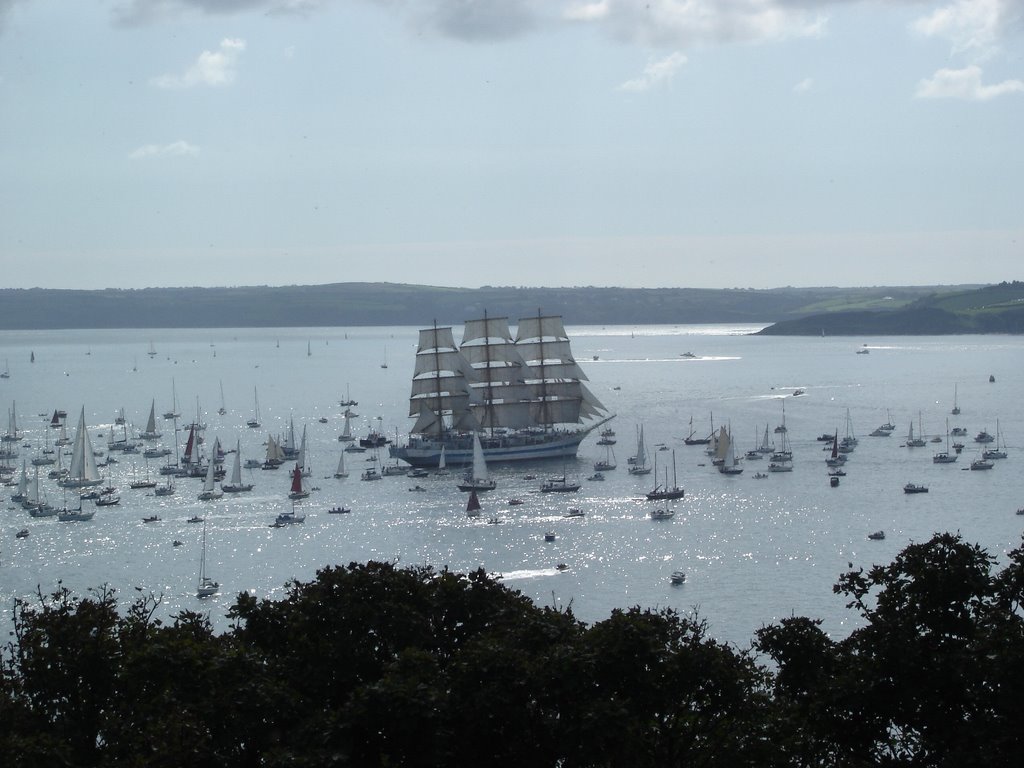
<point x="754" y="550"/>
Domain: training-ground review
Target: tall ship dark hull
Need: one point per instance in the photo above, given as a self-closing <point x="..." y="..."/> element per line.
<point x="519" y="446"/>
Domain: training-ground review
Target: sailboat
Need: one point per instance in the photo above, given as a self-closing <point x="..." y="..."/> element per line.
<point x="999" y="452"/>
<point x="945" y="457"/>
<point x="478" y="479"/>
<point x="638" y="462"/>
<point x="608" y="462"/>
<point x="206" y="586"/>
<point x="35" y="502"/>
<point x="152" y="350"/>
<point x="173" y="413"/>
<point x="442" y="465"/>
<point x="348" y="401"/>
<point x="254" y="422"/>
<point x="385" y="363"/>
<point x="691" y="440"/>
<point x="528" y="391"/>
<point x="341" y="471"/>
<point x="7" y="371"/>
<point x="292" y="517"/>
<point x="222" y="410"/>
<point x="150" y="432"/>
<point x="729" y="465"/>
<point x="298" y="488"/>
<point x="74" y="515"/>
<point x="956" y="405"/>
<point x="235" y="485"/>
<point x="915" y="442"/>
<point x="210" y="490"/>
<point x="473" y="505"/>
<point x="835" y="459"/>
<point x="664" y="492"/>
<point x="83" y="471"/>
<point x="346" y="431"/>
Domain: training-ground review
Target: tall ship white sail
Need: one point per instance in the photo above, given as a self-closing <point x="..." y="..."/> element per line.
<point x="524" y="395"/>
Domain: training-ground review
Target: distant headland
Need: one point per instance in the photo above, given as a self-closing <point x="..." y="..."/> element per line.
<point x="792" y="311"/>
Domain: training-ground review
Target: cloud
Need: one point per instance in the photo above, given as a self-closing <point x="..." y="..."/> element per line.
<point x="688" y="22"/>
<point x="974" y="26"/>
<point x="140" y="12"/>
<point x="964" y="84"/>
<point x="213" y="68"/>
<point x="655" y="73"/>
<point x="174" y="149"/>
<point x="804" y="85"/>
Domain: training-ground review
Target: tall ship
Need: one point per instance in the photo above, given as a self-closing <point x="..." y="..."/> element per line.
<point x="524" y="396"/>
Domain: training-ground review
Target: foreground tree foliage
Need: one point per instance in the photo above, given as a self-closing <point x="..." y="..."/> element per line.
<point x="377" y="665"/>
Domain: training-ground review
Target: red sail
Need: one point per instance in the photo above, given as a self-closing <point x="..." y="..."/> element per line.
<point x="190" y="444"/>
<point x="297" y="479"/>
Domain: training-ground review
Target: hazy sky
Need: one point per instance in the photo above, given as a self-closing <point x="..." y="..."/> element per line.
<point x="748" y="143"/>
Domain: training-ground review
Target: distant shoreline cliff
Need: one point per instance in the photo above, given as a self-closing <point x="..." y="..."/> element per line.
<point x="380" y="304"/>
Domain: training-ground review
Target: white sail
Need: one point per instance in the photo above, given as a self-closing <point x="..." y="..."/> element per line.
<point x="150" y="433"/>
<point x="210" y="490"/>
<point x="83" y="470"/>
<point x="236" y="467"/>
<point x="480" y="473"/>
<point x="341" y="471"/>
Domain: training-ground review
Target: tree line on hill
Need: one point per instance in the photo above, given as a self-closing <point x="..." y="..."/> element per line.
<point x="383" y="304"/>
<point x="375" y="665"/>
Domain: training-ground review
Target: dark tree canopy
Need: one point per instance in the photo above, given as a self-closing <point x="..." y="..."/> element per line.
<point x="371" y="664"/>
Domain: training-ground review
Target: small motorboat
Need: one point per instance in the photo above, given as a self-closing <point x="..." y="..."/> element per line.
<point x="338" y="511"/>
<point x="515" y="502"/>
<point x="574" y="512"/>
<point x="23" y="533"/>
<point x="151" y="519"/>
<point x="550" y="535"/>
<point x="596" y="476"/>
<point x="663" y="513"/>
<point x="417" y="488"/>
<point x="915" y="488"/>
<point x="494" y="521"/>
<point x="177" y="543"/>
<point x="833" y="480"/>
<point x="677" y="577"/>
<point x="195" y="519"/>
<point x="759" y="475"/>
<point x="877" y="535"/>
<point x="561" y="567"/>
<point x="107" y="501"/>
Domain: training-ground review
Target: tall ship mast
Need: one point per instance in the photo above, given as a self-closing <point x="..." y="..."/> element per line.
<point x="523" y="395"/>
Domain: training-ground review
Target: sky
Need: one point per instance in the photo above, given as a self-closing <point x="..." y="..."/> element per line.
<point x="632" y="143"/>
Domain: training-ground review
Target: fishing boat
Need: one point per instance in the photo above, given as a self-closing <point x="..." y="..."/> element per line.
<point x="662" y="513"/>
<point x="206" y="586"/>
<point x="691" y="440"/>
<point x="524" y="396"/>
<point x="478" y="479"/>
<point x="915" y="488"/>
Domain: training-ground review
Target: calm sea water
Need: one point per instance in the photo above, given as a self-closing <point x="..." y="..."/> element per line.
<point x="755" y="551"/>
